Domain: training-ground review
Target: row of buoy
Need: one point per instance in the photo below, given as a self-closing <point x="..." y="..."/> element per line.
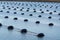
<point x="26" y="20"/>
<point x="30" y="14"/>
<point x="24" y="31"/>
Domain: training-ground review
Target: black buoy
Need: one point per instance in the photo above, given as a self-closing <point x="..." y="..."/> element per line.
<point x="51" y="24"/>
<point x="10" y="27"/>
<point x="21" y="9"/>
<point x="27" y="10"/>
<point x="37" y="22"/>
<point x="40" y="35"/>
<point x="3" y="7"/>
<point x="34" y="10"/>
<point x="14" y="8"/>
<point x="50" y="13"/>
<point x="47" y="10"/>
<point x="42" y="11"/>
<point x="49" y="17"/>
<point x="15" y="12"/>
<point x="6" y="17"/>
<point x="15" y="18"/>
<point x="0" y="24"/>
<point x="17" y="7"/>
<point x="25" y="20"/>
<point x="59" y="14"/>
<point x="9" y="8"/>
<point x="39" y="16"/>
<point x="7" y="11"/>
<point x="22" y="13"/>
<point x="24" y="31"/>
<point x="30" y="14"/>
<point x="54" y="11"/>
<point x="1" y="10"/>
